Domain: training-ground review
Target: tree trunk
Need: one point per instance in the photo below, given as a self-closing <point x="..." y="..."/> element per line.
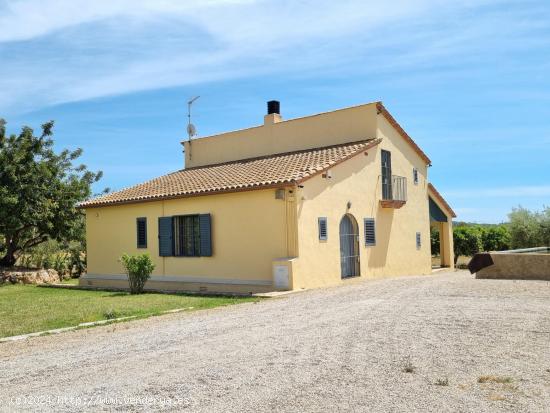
<point x="9" y="259"/>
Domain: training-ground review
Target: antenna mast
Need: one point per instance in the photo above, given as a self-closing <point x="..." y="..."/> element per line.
<point x="191" y="130"/>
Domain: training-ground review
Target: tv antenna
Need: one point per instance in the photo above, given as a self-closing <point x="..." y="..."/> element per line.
<point x="191" y="130"/>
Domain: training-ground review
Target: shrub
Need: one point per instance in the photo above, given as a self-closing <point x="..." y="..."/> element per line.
<point x="442" y="382"/>
<point x="77" y="262"/>
<point x="530" y="228"/>
<point x="467" y="241"/>
<point x="434" y="241"/>
<point x="60" y="263"/>
<point x="496" y="238"/>
<point x="110" y="314"/>
<point x="139" y="269"/>
<point x="408" y="366"/>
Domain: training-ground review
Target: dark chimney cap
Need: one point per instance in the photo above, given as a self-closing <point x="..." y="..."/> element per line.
<point x="273" y="106"/>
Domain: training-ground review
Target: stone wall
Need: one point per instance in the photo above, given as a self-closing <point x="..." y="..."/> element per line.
<point x="517" y="266"/>
<point x="29" y="276"/>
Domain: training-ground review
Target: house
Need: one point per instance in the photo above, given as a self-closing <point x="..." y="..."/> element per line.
<point x="289" y="204"/>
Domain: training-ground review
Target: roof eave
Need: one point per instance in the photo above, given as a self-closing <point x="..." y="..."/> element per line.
<point x="382" y="110"/>
<point x="191" y="195"/>
<point x="440" y="198"/>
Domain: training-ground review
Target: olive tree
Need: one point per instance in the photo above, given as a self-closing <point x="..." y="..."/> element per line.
<point x="39" y="190"/>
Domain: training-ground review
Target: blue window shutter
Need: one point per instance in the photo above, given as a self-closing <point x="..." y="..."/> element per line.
<point x="141" y="224"/>
<point x="323" y="230"/>
<point x="166" y="243"/>
<point x="205" y="227"/>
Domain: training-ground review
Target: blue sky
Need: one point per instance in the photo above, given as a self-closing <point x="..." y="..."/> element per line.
<point x="468" y="80"/>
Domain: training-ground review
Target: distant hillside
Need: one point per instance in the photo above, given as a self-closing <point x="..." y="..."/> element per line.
<point x="475" y="224"/>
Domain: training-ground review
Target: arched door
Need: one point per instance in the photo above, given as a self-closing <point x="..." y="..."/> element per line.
<point x="349" y="247"/>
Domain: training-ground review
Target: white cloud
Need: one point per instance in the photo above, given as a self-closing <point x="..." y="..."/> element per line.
<point x="516" y="192"/>
<point x="67" y="50"/>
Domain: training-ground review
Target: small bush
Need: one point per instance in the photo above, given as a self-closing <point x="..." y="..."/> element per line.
<point x="139" y="269"/>
<point x="60" y="264"/>
<point x="408" y="367"/>
<point x="442" y="382"/>
<point x="77" y="262"/>
<point x="110" y="314"/>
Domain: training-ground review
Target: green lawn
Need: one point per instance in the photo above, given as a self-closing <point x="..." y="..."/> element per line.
<point x="27" y="308"/>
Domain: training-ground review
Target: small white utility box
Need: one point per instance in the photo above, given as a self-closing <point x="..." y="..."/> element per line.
<point x="280" y="277"/>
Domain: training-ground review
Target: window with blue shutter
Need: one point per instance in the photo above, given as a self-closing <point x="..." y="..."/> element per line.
<point x="187" y="241"/>
<point x="370" y="232"/>
<point x="418" y="241"/>
<point x="386" y="175"/>
<point x="323" y="230"/>
<point x="141" y="228"/>
<point x="205" y="227"/>
<point x="191" y="235"/>
<point x="166" y="244"/>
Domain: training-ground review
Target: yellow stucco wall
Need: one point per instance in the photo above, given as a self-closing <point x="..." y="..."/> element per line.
<point x="358" y="181"/>
<point x="331" y="128"/>
<point x="249" y="230"/>
<point x="253" y="232"/>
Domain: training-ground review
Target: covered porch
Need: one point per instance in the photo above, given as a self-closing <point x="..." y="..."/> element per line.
<point x="441" y="216"/>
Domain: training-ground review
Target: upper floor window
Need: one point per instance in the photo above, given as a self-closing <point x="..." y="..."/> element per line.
<point x="386" y="175"/>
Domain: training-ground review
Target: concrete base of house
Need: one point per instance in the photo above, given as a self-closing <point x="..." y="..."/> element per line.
<point x="179" y="284"/>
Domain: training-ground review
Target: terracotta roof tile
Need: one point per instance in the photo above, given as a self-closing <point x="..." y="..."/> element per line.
<point x="246" y="174"/>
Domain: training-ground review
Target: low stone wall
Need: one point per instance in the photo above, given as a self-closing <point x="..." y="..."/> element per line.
<point x="29" y="276"/>
<point x="517" y="266"/>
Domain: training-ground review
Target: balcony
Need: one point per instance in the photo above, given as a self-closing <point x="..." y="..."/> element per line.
<point x="394" y="192"/>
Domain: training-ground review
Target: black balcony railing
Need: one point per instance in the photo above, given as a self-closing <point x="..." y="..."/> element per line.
<point x="394" y="189"/>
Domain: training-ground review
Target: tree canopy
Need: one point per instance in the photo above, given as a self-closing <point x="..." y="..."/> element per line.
<point x="39" y="191"/>
<point x="530" y="228"/>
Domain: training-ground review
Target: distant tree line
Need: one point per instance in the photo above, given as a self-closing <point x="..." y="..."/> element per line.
<point x="525" y="229"/>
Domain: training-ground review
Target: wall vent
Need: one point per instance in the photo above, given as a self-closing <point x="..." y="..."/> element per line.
<point x="280" y="194"/>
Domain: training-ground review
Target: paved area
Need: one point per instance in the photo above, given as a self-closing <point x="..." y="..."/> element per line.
<point x="334" y="349"/>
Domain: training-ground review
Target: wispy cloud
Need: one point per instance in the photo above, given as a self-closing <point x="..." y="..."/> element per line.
<point x="517" y="192"/>
<point x="69" y="50"/>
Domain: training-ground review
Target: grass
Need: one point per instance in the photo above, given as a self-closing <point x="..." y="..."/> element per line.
<point x="494" y="379"/>
<point x="70" y="281"/>
<point x="27" y="308"/>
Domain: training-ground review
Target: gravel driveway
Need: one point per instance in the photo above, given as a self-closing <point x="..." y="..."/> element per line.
<point x="333" y="349"/>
